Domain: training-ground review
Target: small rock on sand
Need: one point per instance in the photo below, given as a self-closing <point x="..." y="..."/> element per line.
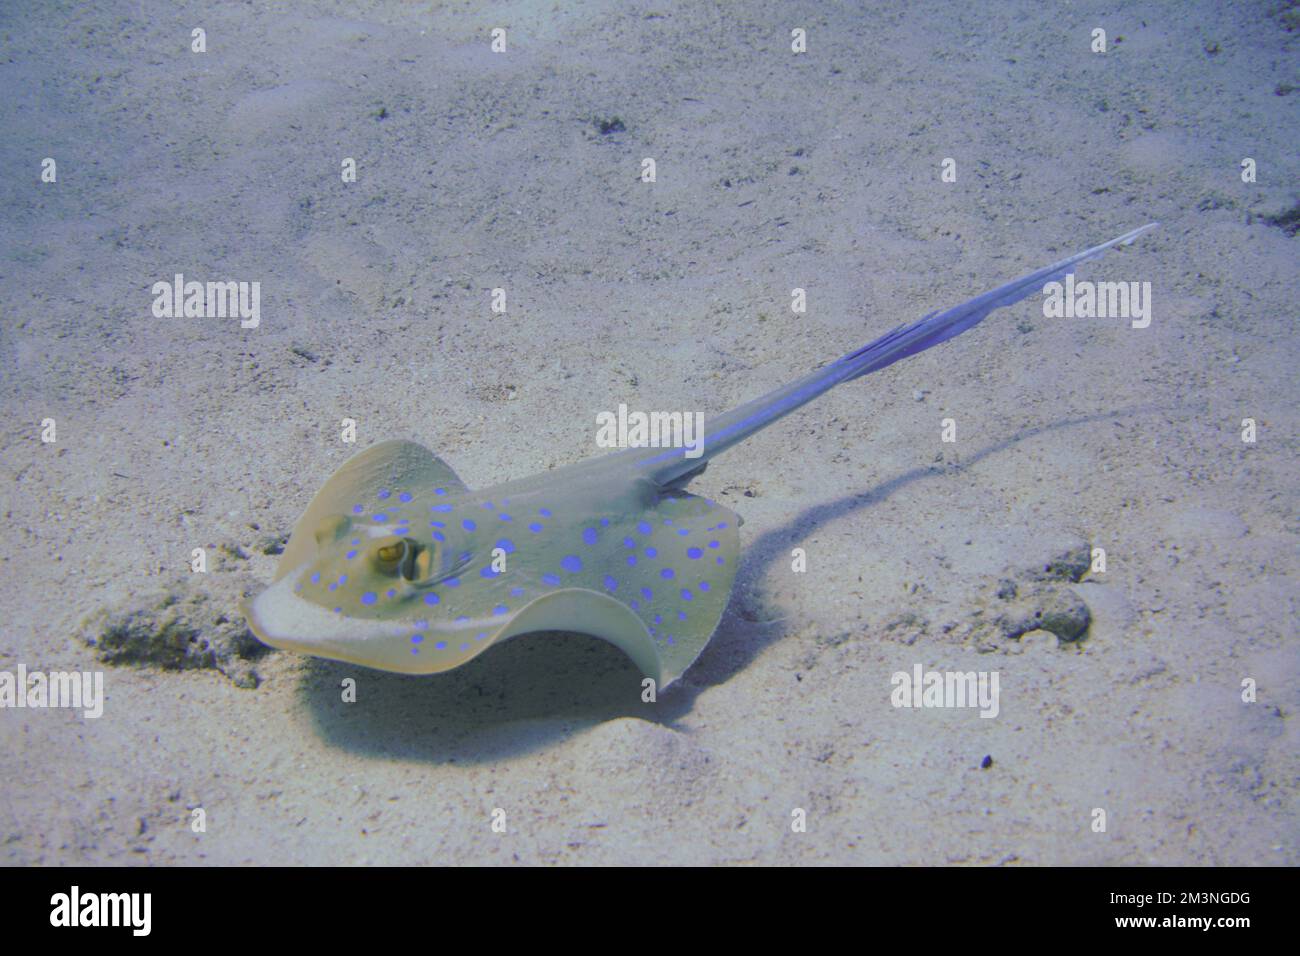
<point x="190" y="621"/>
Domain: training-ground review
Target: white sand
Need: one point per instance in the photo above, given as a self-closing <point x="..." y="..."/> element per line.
<point x="487" y="171"/>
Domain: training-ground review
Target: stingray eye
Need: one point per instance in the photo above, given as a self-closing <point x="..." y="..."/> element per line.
<point x="393" y="556"/>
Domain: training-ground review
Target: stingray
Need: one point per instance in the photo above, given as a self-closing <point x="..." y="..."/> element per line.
<point x="397" y="565"/>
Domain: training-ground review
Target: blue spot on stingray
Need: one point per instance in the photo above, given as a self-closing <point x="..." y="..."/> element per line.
<point x="464" y="647"/>
<point x="422" y="625"/>
<point x="647" y="593"/>
<point x="681" y="615"/>
<point x="380" y="517"/>
<point x="544" y="512"/>
<point x="481" y="635"/>
<point x="506" y="545"/>
<point x="356" y="540"/>
<point x="417" y="638"/>
<point x="500" y="609"/>
<point x="439" y="491"/>
<point x="370" y="597"/>
<point x="667" y="573"/>
<point x="451" y="583"/>
<point x="714" y="544"/>
<point x="629" y="543"/>
<point x="505" y="517"/>
<point x="683" y="531"/>
<point x="439" y="536"/>
<point x="402" y="530"/>
<point x="488" y="505"/>
<point x="404" y="496"/>
<point x="704" y="585"/>
<point x="343" y="579"/>
<point x="550" y="579"/>
<point x="694" y="553"/>
<point x="722" y="560"/>
<point x="721" y="525"/>
<point x="589" y="536"/>
<point x="351" y="554"/>
<point x="631" y="560"/>
<point x="652" y="552"/>
<point x="534" y="527"/>
<point x="461" y="619"/>
<point x="571" y="563"/>
<point x="441" y="645"/>
<point x="488" y="572"/>
<point x="611" y="583"/>
<point x="604" y="522"/>
<point x="659" y="618"/>
<point x="687" y="595"/>
<point x="668" y="521"/>
<point x="384" y="494"/>
<point x="437" y="524"/>
<point x="635" y="604"/>
<point x="431" y="598"/>
<point x="334" y="586"/>
<point x="392" y="593"/>
<point x="468" y="525"/>
<point x="440" y="507"/>
<point x="516" y="592"/>
<point x="315" y="578"/>
<point x="415" y="650"/>
<point x="644" y="527"/>
<point x="338" y="610"/>
<point x="357" y="509"/>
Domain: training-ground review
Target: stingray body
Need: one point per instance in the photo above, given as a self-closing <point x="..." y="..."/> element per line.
<point x="397" y="565"/>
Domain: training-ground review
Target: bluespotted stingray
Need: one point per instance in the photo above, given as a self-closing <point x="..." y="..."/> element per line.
<point x="397" y="565"/>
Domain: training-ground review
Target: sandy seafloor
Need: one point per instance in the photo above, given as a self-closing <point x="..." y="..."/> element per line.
<point x="775" y="171"/>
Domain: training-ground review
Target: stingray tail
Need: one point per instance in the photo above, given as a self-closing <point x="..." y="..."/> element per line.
<point x="674" y="468"/>
<point x="941" y="326"/>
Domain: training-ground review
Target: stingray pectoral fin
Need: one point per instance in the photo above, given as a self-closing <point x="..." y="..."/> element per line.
<point x="690" y="579"/>
<point x="588" y="612"/>
<point x="395" y="465"/>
